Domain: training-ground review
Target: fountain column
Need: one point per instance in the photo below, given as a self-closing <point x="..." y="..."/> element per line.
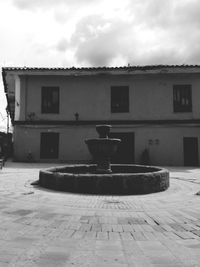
<point x="103" y="148"/>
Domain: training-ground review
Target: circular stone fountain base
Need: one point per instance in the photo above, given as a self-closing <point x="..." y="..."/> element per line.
<point x="124" y="180"/>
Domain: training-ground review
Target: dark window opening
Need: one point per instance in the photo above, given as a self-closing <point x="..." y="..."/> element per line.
<point x="190" y="150"/>
<point x="119" y="99"/>
<point x="49" y="146"/>
<point x="182" y="98"/>
<point x="50" y="99"/>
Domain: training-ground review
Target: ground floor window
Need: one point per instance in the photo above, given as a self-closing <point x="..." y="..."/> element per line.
<point x="49" y="145"/>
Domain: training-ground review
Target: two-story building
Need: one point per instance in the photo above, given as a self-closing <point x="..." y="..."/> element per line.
<point x="155" y="110"/>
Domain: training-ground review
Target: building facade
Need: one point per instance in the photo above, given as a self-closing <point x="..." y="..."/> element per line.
<point x="155" y="110"/>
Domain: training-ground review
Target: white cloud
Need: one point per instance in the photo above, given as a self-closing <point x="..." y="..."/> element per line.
<point x="62" y="45"/>
<point x="98" y="41"/>
<point x="37" y="4"/>
<point x="139" y="31"/>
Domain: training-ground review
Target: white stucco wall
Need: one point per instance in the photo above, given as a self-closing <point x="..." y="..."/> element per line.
<point x="150" y="97"/>
<point x="72" y="147"/>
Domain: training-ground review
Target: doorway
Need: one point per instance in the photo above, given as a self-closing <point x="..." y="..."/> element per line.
<point x="125" y="152"/>
<point x="190" y="150"/>
<point x="49" y="145"/>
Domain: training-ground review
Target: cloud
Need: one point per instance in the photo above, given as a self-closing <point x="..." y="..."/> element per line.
<point x="98" y="41"/>
<point x="101" y="42"/>
<point x="62" y="45"/>
<point x="186" y="13"/>
<point x="152" y="13"/>
<point x="61" y="15"/>
<point x="36" y="4"/>
<point x="166" y="15"/>
<point x="140" y="32"/>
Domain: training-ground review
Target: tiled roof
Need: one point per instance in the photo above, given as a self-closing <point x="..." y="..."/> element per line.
<point x="147" y="67"/>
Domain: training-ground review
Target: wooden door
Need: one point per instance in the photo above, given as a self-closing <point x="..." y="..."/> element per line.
<point x="190" y="150"/>
<point x="125" y="152"/>
<point x="49" y="146"/>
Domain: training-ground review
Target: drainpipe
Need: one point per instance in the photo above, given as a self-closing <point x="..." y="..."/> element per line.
<point x="7" y="119"/>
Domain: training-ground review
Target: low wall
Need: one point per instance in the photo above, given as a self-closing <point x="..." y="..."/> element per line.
<point x="125" y="179"/>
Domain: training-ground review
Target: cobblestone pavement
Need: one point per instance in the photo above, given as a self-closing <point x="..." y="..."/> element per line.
<point x="39" y="227"/>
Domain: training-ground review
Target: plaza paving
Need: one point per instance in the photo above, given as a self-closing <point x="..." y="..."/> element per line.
<point x="39" y="227"/>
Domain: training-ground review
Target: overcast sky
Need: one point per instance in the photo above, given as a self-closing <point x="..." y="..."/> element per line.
<point x="66" y="33"/>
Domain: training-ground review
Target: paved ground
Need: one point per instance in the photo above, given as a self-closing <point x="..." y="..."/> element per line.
<point x="40" y="227"/>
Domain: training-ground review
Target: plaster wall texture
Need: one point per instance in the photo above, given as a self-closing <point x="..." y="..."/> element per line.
<point x="165" y="148"/>
<point x="150" y="97"/>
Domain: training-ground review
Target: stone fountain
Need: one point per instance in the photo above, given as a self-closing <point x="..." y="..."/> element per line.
<point x="104" y="177"/>
<point x="103" y="148"/>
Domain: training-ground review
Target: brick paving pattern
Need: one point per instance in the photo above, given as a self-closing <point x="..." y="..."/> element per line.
<point x="40" y="227"/>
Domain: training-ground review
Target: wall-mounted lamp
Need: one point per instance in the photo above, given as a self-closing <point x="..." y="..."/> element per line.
<point x="76" y="116"/>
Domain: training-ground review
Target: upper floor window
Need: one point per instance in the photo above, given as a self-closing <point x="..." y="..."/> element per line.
<point x="50" y="99"/>
<point x="182" y="98"/>
<point x="119" y="99"/>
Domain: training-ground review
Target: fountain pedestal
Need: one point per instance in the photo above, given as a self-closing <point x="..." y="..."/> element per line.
<point x="103" y="148"/>
<point x="103" y="166"/>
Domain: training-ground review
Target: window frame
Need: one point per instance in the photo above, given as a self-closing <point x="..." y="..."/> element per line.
<point x="54" y="108"/>
<point x="123" y="107"/>
<point x="184" y="93"/>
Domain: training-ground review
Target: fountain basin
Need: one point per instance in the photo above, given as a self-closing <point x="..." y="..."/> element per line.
<point x="125" y="179"/>
<point x="103" y="147"/>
